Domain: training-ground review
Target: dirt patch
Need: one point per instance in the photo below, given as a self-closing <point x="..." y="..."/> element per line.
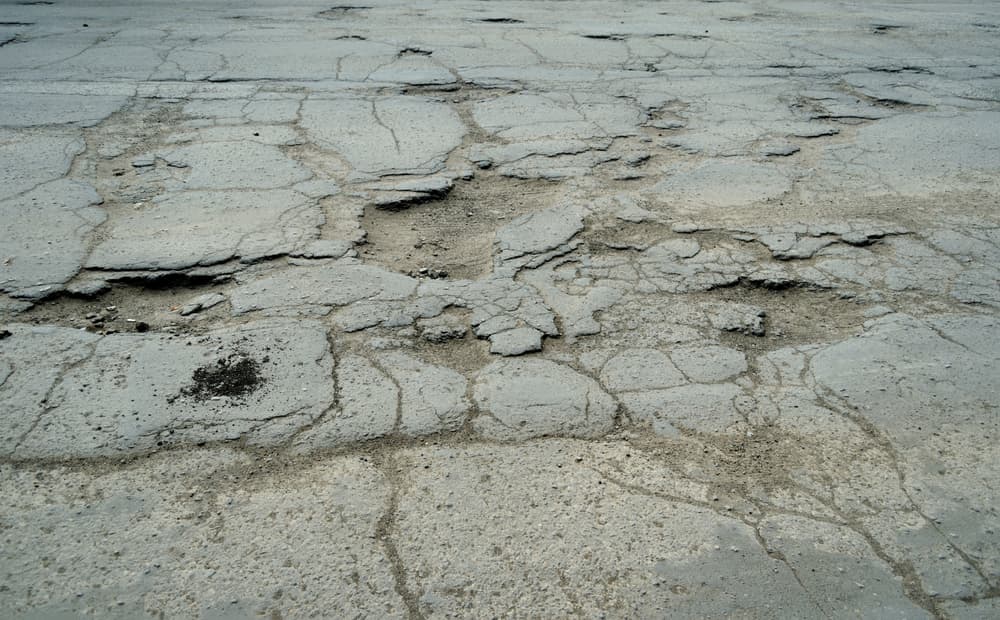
<point x="235" y="376"/>
<point x="453" y="234"/>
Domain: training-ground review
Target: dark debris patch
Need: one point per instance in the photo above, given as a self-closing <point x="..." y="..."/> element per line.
<point x="233" y="377"/>
<point x="345" y="9"/>
<point x="414" y="51"/>
<point x="884" y="28"/>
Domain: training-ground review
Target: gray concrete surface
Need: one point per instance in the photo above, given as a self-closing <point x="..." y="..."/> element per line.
<point x="509" y="309"/>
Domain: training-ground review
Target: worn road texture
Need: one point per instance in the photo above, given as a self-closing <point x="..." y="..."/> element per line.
<point x="499" y="309"/>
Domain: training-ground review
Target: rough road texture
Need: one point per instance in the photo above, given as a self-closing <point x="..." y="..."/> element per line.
<point x="468" y="309"/>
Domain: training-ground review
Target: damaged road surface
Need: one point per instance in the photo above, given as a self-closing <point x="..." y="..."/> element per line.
<point x="464" y="309"/>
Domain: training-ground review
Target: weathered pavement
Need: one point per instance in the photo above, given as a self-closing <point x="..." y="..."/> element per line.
<point x="465" y="309"/>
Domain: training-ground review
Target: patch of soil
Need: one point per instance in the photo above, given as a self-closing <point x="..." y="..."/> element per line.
<point x="233" y="377"/>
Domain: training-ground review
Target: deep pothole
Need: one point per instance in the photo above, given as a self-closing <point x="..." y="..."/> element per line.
<point x="452" y="236"/>
<point x="793" y="316"/>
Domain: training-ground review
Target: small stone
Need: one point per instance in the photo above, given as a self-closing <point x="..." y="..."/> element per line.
<point x="143" y="161"/>
<point x="324" y="248"/>
<point x="202" y="302"/>
<point x="88" y="289"/>
<point x="781" y="149"/>
<point x="637" y="159"/>
<point x="443" y="333"/>
<point x="635" y="214"/>
<point x="516" y="341"/>
<point x="686" y="228"/>
<point x="877" y="311"/>
<point x="734" y="317"/>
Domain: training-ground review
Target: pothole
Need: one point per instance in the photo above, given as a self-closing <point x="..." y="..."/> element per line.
<point x="742" y="464"/>
<point x="113" y="144"/>
<point x="123" y="308"/>
<point x="452" y="236"/>
<point x="466" y="354"/>
<point x="793" y="316"/>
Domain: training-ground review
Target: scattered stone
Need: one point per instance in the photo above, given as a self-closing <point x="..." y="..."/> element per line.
<point x="741" y="318"/>
<point x="516" y="341"/>
<point x="637" y="159"/>
<point x="539" y="232"/>
<point x="779" y="149"/>
<point x="202" y="302"/>
<point x="144" y="161"/>
<point x="681" y="248"/>
<point x="443" y="333"/>
<point x="442" y="329"/>
<point x="395" y="201"/>
<point x="667" y="124"/>
<point x="686" y="228"/>
<point x="630" y="211"/>
<point x="425" y="272"/>
<point x="324" y="248"/>
<point x="88" y="289"/>
<point x="877" y="311"/>
<point x="432" y="186"/>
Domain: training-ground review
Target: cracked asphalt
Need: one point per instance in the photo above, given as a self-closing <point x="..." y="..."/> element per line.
<point x="512" y="309"/>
